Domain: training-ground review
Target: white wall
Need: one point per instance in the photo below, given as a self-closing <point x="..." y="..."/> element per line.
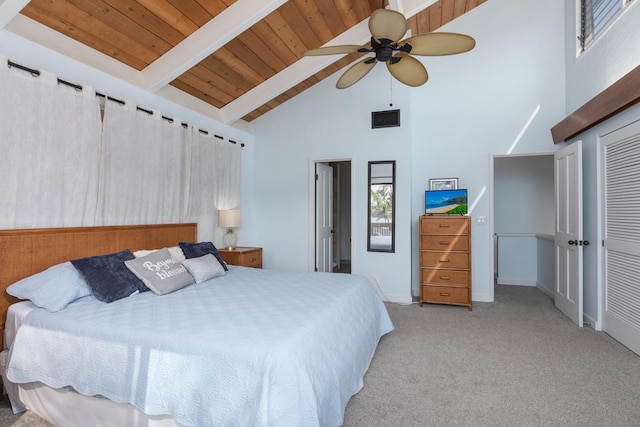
<point x="501" y="98"/>
<point x="325" y="123"/>
<point x="612" y="56"/>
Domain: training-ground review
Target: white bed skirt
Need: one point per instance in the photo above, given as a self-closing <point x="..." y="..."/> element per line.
<point x="63" y="407"/>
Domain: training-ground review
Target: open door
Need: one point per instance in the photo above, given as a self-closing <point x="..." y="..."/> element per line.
<point x="568" y="231"/>
<point x="324" y="217"/>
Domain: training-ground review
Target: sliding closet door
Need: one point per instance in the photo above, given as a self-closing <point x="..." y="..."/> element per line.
<point x="621" y="221"/>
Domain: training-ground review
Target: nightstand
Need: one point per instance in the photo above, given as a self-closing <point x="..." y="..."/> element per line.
<point x="243" y="256"/>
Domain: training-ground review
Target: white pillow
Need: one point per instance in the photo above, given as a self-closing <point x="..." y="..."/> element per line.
<point x="175" y="252"/>
<point x="204" y="268"/>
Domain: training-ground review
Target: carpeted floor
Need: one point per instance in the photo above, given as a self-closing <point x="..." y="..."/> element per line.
<point x="514" y="362"/>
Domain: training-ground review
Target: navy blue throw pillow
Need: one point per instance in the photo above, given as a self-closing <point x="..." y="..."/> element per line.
<point x="108" y="276"/>
<point x="195" y="250"/>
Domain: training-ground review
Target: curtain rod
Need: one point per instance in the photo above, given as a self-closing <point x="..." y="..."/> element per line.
<point x="36" y="73"/>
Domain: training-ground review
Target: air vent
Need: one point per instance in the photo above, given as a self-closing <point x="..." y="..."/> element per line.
<point x="385" y="119"/>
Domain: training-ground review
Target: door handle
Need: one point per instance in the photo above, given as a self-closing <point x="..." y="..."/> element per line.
<point x="578" y="242"/>
<point x="572" y="242"/>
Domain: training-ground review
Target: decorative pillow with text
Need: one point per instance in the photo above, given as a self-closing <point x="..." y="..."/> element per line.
<point x="160" y="272"/>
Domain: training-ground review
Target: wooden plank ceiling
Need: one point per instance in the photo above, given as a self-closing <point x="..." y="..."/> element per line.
<point x="142" y="33"/>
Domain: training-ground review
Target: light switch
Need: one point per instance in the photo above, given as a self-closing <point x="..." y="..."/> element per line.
<point x="482" y="219"/>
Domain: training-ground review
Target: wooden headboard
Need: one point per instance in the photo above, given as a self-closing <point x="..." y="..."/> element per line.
<point x="29" y="251"/>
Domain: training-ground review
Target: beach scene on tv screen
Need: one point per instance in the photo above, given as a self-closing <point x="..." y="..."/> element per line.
<point x="446" y="202"/>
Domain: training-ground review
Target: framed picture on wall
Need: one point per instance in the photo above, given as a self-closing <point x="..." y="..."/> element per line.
<point x="443" y="184"/>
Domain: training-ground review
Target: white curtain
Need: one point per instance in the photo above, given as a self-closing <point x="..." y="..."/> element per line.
<point x="214" y="181"/>
<point x="141" y="177"/>
<point x="49" y="139"/>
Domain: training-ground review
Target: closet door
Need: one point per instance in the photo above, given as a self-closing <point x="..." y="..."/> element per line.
<point x="620" y="154"/>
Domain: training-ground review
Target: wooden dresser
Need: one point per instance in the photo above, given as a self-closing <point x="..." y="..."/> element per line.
<point x="244" y="256"/>
<point x="445" y="260"/>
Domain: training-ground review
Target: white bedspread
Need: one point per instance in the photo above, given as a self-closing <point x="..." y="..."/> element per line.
<point x="252" y="348"/>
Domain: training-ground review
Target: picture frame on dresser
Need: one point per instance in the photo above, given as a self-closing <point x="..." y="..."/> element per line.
<point x="443" y="184"/>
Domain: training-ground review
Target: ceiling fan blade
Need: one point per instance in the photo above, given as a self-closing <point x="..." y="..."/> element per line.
<point x="355" y="73"/>
<point x="408" y="70"/>
<point x="387" y="24"/>
<point x="437" y="44"/>
<point x="333" y="50"/>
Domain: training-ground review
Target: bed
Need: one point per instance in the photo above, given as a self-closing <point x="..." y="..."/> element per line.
<point x="251" y="347"/>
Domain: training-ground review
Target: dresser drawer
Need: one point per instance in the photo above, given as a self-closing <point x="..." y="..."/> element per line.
<point x="444" y="242"/>
<point x="445" y="225"/>
<point x="445" y="277"/>
<point x="452" y="260"/>
<point x="445" y="294"/>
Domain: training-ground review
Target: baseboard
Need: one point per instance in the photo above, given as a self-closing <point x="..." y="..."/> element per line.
<point x="546" y="290"/>
<point x="589" y="321"/>
<point x="398" y="299"/>
<point x="516" y="282"/>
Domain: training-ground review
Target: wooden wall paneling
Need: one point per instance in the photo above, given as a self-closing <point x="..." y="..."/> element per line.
<point x="207" y="80"/>
<point x="277" y="23"/>
<point x="172" y="16"/>
<point x="206" y="97"/>
<point x="227" y="73"/>
<point x="309" y="10"/>
<point x="77" y="32"/>
<point x="435" y="15"/>
<point x="331" y="16"/>
<point x="244" y="54"/>
<point x="192" y="10"/>
<point x="101" y="31"/>
<point x="227" y="57"/>
<point x="262" y="50"/>
<point x="146" y="19"/>
<point x="120" y="23"/>
<point x="264" y="32"/>
<point x="352" y="12"/>
<point x="459" y="7"/>
<point x="299" y="26"/>
<point x="215" y="7"/>
<point x="447" y="11"/>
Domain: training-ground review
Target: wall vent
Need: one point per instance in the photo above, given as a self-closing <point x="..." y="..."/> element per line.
<point x="385" y="119"/>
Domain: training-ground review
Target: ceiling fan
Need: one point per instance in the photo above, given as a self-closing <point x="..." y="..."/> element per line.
<point x="387" y="27"/>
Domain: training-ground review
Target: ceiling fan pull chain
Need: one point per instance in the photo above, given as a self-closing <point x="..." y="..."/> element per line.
<point x="390" y="91"/>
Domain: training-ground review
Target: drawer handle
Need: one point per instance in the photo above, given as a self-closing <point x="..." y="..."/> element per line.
<point x="444" y="225"/>
<point x="252" y="259"/>
<point x="445" y="260"/>
<point x="444" y="243"/>
<point x="445" y="278"/>
<point x="445" y="294"/>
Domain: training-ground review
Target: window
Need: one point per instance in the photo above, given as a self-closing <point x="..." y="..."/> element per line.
<point x="595" y="17"/>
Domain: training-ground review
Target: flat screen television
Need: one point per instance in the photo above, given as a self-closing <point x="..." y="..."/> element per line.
<point x="445" y="202"/>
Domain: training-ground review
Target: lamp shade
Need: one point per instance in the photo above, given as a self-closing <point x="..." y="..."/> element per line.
<point x="229" y="218"/>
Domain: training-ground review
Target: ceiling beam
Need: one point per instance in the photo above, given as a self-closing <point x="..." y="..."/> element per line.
<point x="9" y="9"/>
<point x="231" y="22"/>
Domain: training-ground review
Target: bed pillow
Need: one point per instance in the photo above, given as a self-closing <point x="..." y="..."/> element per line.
<point x="52" y="289"/>
<point x="108" y="276"/>
<point x="175" y="252"/>
<point x="195" y="250"/>
<point x="204" y="268"/>
<point x="160" y="272"/>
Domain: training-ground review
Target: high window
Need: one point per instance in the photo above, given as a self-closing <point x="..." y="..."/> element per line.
<point x="595" y="17"/>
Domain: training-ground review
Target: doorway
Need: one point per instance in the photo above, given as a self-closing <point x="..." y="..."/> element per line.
<point x="332" y="219"/>
<point x="524" y="221"/>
